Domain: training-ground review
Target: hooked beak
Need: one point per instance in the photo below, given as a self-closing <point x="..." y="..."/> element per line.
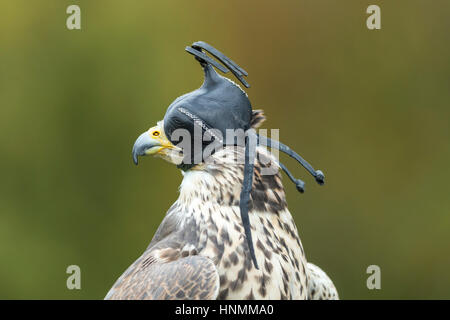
<point x="151" y="142"/>
<point x="145" y="145"/>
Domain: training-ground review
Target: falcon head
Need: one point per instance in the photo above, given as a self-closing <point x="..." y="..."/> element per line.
<point x="154" y="142"/>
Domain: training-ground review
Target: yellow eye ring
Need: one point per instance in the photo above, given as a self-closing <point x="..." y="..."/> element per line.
<point x="155" y="133"/>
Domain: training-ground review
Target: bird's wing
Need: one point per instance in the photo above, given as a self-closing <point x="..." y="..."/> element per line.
<point x="320" y="286"/>
<point x="191" y="278"/>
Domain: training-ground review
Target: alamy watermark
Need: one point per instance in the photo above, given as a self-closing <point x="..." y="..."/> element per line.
<point x="200" y="146"/>
<point x="374" y="280"/>
<point x="73" y="21"/>
<point x="373" y="22"/>
<point x="74" y="280"/>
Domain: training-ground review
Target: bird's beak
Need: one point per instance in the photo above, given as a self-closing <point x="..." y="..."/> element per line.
<point x="148" y="144"/>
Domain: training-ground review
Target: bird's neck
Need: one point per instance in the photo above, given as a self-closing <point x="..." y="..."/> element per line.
<point x="220" y="182"/>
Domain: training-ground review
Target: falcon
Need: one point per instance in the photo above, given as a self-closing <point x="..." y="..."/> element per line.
<point x="230" y="234"/>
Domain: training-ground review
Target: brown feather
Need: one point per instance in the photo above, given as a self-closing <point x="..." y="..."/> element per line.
<point x="258" y="118"/>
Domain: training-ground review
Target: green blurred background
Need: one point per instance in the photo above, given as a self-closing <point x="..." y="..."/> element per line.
<point x="370" y="108"/>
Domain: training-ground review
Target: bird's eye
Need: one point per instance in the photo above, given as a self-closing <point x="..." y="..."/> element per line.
<point x="155" y="133"/>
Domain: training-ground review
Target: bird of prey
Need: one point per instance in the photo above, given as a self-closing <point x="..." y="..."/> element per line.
<point x="226" y="236"/>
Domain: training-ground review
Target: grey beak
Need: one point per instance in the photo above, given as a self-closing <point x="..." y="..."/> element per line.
<point x="142" y="144"/>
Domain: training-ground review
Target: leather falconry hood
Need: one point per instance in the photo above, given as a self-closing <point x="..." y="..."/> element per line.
<point x="217" y="106"/>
